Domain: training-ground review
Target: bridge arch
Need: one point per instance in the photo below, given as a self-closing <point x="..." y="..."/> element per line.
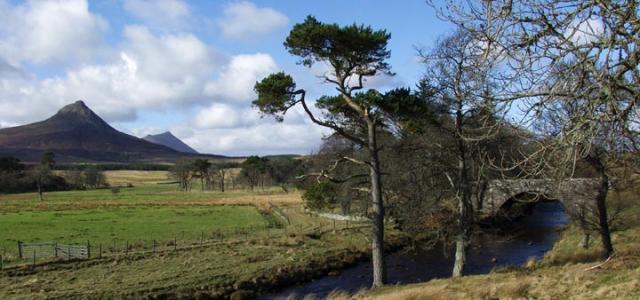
<point x="524" y="202"/>
<point x="568" y="192"/>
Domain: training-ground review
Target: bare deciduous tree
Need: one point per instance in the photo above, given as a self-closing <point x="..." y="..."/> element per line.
<point x="458" y="71"/>
<point x="594" y="44"/>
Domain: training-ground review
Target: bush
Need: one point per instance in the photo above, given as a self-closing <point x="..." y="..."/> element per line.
<point x="320" y="196"/>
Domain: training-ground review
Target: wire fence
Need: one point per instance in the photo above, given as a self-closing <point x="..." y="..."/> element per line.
<point x="40" y="252"/>
<point x="46" y="252"/>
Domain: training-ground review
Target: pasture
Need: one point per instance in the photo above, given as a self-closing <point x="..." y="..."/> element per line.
<point x="124" y="224"/>
<point x="151" y="210"/>
<point x="260" y="258"/>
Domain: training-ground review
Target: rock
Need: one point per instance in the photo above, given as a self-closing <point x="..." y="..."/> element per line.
<point x="531" y="263"/>
<point x="242" y="295"/>
<point x="241" y="285"/>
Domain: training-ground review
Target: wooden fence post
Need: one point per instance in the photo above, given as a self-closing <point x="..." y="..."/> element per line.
<point x="88" y="249"/>
<point x="20" y="250"/>
<point x="154" y="246"/>
<point x="69" y="252"/>
<point x="34" y="257"/>
<point x="100" y="255"/>
<point x="1" y="262"/>
<point x="126" y="251"/>
<point x="175" y="243"/>
<point x="55" y="249"/>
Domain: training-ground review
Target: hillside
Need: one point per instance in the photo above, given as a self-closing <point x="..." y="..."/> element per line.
<point x="169" y="140"/>
<point x="77" y="134"/>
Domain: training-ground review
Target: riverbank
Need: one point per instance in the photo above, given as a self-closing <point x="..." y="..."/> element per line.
<point x="566" y="272"/>
<point x="248" y="265"/>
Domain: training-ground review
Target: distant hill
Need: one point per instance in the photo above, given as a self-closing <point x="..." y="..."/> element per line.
<point x="283" y="156"/>
<point x="77" y="134"/>
<point x="171" y="141"/>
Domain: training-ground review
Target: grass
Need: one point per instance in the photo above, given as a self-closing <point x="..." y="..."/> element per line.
<point x="555" y="278"/>
<point x="211" y="270"/>
<point x="566" y="272"/>
<point x="123" y="224"/>
<point x="152" y="210"/>
<point x="148" y="190"/>
<point x="148" y="211"/>
<point x="124" y="177"/>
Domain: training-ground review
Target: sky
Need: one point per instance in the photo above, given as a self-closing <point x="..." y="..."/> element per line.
<point x="149" y="66"/>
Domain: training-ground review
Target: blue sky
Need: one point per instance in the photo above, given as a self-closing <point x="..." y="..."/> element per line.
<point x="149" y="66"/>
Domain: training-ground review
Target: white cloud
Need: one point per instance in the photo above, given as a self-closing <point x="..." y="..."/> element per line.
<point x="236" y="81"/>
<point x="146" y="70"/>
<point x="50" y="31"/>
<point x="263" y="138"/>
<point x="173" y="57"/>
<point x="160" y="14"/>
<point x="150" y="72"/>
<point x="585" y="31"/>
<point x="244" y="20"/>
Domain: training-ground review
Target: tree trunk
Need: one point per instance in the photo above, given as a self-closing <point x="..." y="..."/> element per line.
<point x="464" y="235"/>
<point x="582" y="215"/>
<point x="461" y="255"/>
<point x="601" y="204"/>
<point x="377" y="242"/>
<point x="39" y="184"/>
<point x="222" y="182"/>
<point x="465" y="207"/>
<point x="584" y="241"/>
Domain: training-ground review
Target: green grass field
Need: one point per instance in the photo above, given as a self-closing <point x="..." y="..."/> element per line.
<point x="124" y="224"/>
<point x="150" y="210"/>
<point x="209" y="270"/>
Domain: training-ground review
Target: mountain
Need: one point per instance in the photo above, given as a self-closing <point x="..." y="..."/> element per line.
<point x="77" y="134"/>
<point x="171" y="141"/>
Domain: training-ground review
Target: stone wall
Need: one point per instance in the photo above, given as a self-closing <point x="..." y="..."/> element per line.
<point x="569" y="192"/>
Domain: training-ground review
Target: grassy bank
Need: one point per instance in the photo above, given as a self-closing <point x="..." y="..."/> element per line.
<point x="309" y="247"/>
<point x="566" y="272"/>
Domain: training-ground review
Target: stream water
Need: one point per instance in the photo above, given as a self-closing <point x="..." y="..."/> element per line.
<point x="530" y="236"/>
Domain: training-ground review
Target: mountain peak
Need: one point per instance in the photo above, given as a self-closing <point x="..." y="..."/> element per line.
<point x="166" y="133"/>
<point x="168" y="139"/>
<point x="80" y="112"/>
<point x="77" y="107"/>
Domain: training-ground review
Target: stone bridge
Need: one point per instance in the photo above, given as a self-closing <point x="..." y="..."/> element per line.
<point x="569" y="192"/>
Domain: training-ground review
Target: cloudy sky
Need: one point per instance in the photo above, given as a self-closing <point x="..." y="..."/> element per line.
<point x="148" y="66"/>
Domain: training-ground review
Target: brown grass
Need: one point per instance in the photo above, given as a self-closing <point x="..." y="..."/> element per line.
<point x="122" y="177"/>
<point x="557" y="276"/>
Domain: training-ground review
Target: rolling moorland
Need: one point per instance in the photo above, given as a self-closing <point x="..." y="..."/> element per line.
<point x="215" y="233"/>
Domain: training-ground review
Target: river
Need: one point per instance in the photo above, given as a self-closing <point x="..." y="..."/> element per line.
<point x="530" y="236"/>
